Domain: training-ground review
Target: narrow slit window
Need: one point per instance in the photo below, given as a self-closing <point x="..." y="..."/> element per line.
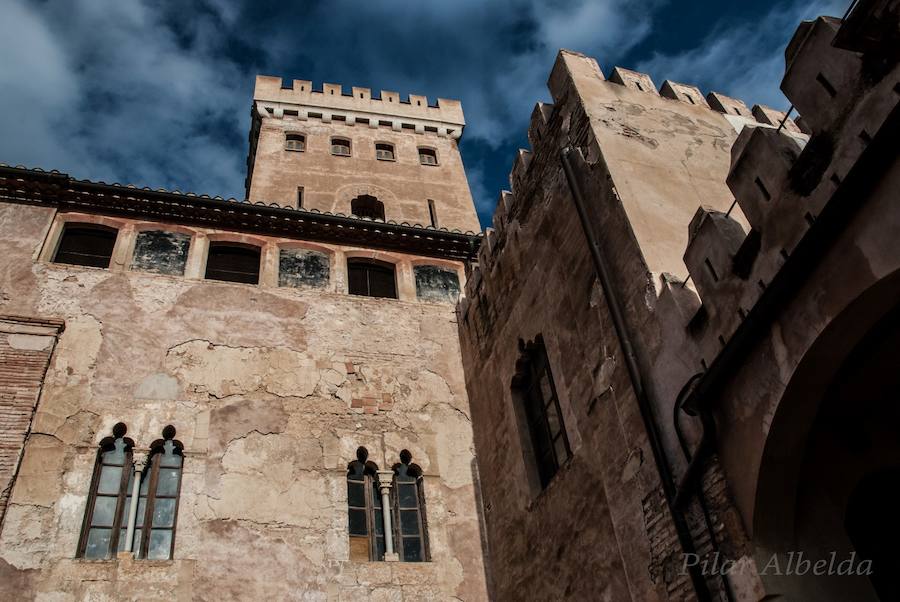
<point x="86" y="244"/>
<point x="384" y="151"/>
<point x="295" y="142"/>
<point x="827" y="85"/>
<point x="371" y="278"/>
<point x="427" y="156"/>
<point x="639" y="86"/>
<point x="299" y="197"/>
<point x="712" y="270"/>
<point x="340" y="147"/>
<point x="690" y="99"/>
<point x="106" y="504"/>
<point x="432" y="213"/>
<point x="762" y="189"/>
<point x="233" y="262"/>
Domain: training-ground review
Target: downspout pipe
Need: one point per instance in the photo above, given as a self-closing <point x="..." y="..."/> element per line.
<point x="615" y="309"/>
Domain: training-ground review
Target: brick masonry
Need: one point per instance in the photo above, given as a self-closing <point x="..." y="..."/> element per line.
<point x="25" y="348"/>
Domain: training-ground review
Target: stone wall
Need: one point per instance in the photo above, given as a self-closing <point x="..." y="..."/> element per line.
<point x="330" y="182"/>
<point x="268" y="389"/>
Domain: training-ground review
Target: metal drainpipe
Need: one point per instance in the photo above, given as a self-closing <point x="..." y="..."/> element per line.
<point x="701" y="588"/>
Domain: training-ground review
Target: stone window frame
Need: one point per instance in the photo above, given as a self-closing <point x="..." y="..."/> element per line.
<point x="434" y="153"/>
<point x="47" y="252"/>
<point x="262" y="244"/>
<point x="393" y="150"/>
<point x="378" y="264"/>
<point x="333" y="143"/>
<point x="403" y="271"/>
<point x="292" y="137"/>
<point x="104" y="445"/>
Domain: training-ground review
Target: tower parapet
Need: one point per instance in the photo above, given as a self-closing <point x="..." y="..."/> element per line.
<point x="444" y="118"/>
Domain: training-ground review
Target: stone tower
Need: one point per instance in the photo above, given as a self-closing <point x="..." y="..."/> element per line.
<point x="403" y="153"/>
<point x="278" y="371"/>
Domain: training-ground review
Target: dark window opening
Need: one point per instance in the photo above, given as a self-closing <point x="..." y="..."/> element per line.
<point x="295" y="142"/>
<point x="371" y="278"/>
<point x="86" y="244"/>
<point x="639" y="86"/>
<point x="233" y="262"/>
<point x="367" y="206"/>
<point x="340" y="147"/>
<point x="550" y="444"/>
<point x="299" y="197"/>
<point x="712" y="270"/>
<point x="384" y="152"/>
<point x="690" y="99"/>
<point x="827" y="85"/>
<point x="432" y="213"/>
<point x="762" y="189"/>
<point x="427" y="156"/>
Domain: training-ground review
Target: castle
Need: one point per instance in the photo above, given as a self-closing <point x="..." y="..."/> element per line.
<point x="665" y="371"/>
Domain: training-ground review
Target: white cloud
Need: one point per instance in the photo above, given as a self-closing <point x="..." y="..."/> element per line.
<point x="745" y="60"/>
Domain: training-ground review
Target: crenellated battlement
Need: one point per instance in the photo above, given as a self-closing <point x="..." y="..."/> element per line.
<point x="273" y="98"/>
<point x="782" y="179"/>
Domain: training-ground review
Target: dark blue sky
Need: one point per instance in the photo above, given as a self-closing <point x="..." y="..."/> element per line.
<point x="158" y="93"/>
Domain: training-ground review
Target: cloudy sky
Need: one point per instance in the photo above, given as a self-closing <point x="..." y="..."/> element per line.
<point x="157" y="92"/>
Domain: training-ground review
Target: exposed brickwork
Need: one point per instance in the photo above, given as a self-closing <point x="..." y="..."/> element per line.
<point x="23" y="363"/>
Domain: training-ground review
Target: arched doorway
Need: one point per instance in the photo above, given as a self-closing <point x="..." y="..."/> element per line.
<point x="829" y="486"/>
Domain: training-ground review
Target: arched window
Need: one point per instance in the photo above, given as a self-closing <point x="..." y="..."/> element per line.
<point x="340" y="147"/>
<point x="294" y="142"/>
<point x="86" y="244"/>
<point x="410" y="526"/>
<point x="233" y="262"/>
<point x="365" y="519"/>
<point x="371" y="278"/>
<point x="106" y="506"/>
<point x="536" y="391"/>
<point x="154" y="529"/>
<point x="367" y="206"/>
<point x="427" y="156"/>
<point x="384" y="151"/>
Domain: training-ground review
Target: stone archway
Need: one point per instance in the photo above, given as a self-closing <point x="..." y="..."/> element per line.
<point x="836" y="429"/>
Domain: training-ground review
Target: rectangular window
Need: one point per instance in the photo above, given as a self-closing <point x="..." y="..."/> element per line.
<point x="295" y="142"/>
<point x="233" y="262"/>
<point x="299" y="197"/>
<point x="371" y="278"/>
<point x="86" y="244"/>
<point x="548" y="434"/>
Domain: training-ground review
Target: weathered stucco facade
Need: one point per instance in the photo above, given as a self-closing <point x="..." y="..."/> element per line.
<point x="736" y="416"/>
<point x="271" y="387"/>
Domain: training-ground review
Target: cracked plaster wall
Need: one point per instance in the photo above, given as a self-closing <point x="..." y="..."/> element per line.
<point x="271" y="391"/>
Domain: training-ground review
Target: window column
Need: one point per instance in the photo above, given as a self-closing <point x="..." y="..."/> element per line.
<point x="385" y="480"/>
